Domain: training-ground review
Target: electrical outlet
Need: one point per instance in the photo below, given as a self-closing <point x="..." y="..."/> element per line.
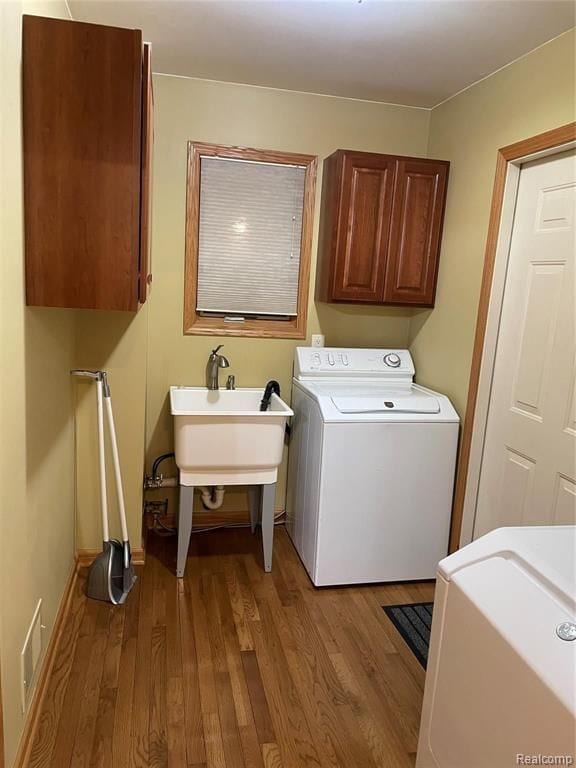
<point x="30" y="656"/>
<point x="317" y="339"/>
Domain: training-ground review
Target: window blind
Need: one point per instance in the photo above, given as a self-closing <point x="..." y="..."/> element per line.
<point x="249" y="237"/>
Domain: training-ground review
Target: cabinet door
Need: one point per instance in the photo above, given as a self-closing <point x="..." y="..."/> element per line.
<point x="144" y="272"/>
<point x="363" y="227"/>
<point x="419" y="197"/>
<point x="82" y="91"/>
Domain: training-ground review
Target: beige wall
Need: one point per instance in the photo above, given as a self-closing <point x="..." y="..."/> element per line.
<point x="199" y="110"/>
<point x="115" y="342"/>
<point x="36" y="426"/>
<point x="535" y="94"/>
<point x="147" y="353"/>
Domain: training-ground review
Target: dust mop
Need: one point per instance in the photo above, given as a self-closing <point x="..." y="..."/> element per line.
<point x="111" y="575"/>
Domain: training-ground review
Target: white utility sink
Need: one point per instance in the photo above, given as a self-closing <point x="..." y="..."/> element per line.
<point x="222" y="438"/>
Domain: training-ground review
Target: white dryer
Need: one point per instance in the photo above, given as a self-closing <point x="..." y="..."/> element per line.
<point x="371" y="467"/>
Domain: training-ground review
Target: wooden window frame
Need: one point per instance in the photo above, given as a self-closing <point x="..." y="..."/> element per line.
<point x="194" y="322"/>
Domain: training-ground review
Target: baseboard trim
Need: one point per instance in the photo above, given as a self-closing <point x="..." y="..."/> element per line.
<point x="33" y="717"/>
<point x="85" y="557"/>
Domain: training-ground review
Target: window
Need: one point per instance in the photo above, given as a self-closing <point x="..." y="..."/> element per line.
<point x="248" y="241"/>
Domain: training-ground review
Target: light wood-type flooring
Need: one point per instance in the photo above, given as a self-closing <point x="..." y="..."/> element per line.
<point x="233" y="668"/>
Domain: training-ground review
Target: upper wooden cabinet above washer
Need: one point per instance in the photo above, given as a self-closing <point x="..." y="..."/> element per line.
<point x="380" y="228"/>
<point x="87" y="133"/>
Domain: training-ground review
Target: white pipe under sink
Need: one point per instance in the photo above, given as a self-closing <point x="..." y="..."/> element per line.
<point x="212" y="500"/>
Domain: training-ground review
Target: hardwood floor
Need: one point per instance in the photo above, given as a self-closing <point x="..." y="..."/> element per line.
<point x="233" y="668"/>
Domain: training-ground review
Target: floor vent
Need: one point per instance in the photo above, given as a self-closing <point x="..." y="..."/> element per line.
<point x="30" y="656"/>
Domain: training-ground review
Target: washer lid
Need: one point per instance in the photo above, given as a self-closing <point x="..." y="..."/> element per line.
<point x="386" y="404"/>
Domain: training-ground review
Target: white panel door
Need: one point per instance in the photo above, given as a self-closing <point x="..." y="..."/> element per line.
<point x="528" y="469"/>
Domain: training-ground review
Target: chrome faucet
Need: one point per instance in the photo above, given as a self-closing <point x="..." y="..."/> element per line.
<point x="215" y="362"/>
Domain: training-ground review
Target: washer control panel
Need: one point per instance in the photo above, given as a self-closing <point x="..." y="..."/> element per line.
<point x="329" y="362"/>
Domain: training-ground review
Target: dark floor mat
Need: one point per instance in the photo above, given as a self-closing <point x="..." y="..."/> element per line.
<point x="413" y="621"/>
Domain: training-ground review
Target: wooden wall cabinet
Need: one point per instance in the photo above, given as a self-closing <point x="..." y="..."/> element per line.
<point x="380" y="228"/>
<point x="87" y="137"/>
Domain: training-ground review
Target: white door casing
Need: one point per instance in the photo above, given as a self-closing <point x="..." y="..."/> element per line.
<point x="528" y="473"/>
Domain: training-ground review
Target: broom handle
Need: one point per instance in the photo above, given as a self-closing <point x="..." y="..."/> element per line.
<point x="117" y="473"/>
<point x="102" y="462"/>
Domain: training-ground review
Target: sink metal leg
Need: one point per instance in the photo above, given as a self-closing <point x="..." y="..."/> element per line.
<point x="255" y="504"/>
<point x="268" y="499"/>
<point x="184" y="527"/>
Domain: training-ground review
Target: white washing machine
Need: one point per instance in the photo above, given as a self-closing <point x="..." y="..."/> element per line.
<point x="371" y="467"/>
<point x="501" y="679"/>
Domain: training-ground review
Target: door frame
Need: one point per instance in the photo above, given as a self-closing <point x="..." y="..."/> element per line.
<point x="508" y="162"/>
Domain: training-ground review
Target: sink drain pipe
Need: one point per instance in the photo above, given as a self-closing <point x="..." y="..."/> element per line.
<point x="212" y="497"/>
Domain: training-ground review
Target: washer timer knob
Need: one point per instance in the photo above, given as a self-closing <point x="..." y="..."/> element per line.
<point x="392" y="360"/>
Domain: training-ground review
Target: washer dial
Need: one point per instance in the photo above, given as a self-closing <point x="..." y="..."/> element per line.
<point x="566" y="630"/>
<point x="392" y="360"/>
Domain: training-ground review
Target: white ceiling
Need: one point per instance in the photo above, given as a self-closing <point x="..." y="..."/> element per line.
<point x="416" y="52"/>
